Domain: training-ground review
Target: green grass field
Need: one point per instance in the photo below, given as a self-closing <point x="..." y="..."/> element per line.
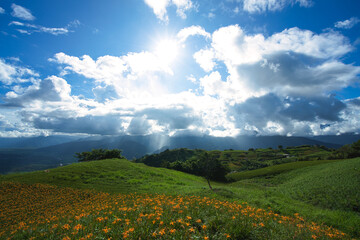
<point x="323" y="193"/>
<point x="274" y="170"/>
<point x="114" y="176"/>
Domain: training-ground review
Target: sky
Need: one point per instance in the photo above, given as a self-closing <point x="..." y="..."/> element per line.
<point x="179" y="67"/>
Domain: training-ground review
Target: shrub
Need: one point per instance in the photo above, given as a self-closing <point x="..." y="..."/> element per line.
<point x="98" y="154"/>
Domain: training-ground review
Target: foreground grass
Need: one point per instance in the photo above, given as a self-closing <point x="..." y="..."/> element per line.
<point x="327" y="193"/>
<point x="122" y="176"/>
<point x="47" y="212"/>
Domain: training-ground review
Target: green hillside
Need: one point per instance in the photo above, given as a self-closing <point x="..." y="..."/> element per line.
<point x="274" y="170"/>
<point x="237" y="160"/>
<point x="114" y="176"/>
<point x="325" y="193"/>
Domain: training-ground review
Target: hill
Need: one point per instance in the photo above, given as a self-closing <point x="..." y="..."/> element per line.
<point x="20" y="159"/>
<point x="236" y="160"/>
<point x="122" y="176"/>
<point x="115" y="176"/>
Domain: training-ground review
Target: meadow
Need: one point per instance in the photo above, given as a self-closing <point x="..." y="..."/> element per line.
<point x="85" y="199"/>
<point x="46" y="212"/>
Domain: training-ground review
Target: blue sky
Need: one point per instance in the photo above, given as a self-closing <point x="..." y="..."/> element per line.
<point x="221" y="68"/>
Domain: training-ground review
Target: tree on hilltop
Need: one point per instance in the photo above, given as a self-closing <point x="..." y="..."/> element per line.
<point x="98" y="154"/>
<point x="212" y="168"/>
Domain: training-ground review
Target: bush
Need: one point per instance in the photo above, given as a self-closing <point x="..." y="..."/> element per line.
<point x="98" y="154"/>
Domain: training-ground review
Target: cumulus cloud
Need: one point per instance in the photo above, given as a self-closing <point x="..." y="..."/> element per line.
<point x="2" y="11"/>
<point x="259" y="6"/>
<point x="134" y="73"/>
<point x="28" y="29"/>
<point x="173" y="117"/>
<point x="53" y="89"/>
<point x="271" y="114"/>
<point x="184" y="33"/>
<point x="103" y="125"/>
<point x="21" y="12"/>
<point x="347" y="24"/>
<point x="159" y="7"/>
<point x="206" y="59"/>
<point x="11" y="73"/>
<point x="279" y="84"/>
<point x="292" y="62"/>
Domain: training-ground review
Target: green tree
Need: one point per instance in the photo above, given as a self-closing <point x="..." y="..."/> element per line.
<point x="212" y="168"/>
<point x="98" y="154"/>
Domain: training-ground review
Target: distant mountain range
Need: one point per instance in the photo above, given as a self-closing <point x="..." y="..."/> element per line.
<point x="36" y="153"/>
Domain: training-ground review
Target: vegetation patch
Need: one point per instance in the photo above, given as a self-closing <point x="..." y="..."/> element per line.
<point x="49" y="212"/>
<point x="273" y="170"/>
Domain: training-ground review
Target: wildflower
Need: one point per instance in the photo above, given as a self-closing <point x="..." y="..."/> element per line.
<point x="162" y="231"/>
<point x="106" y="230"/>
<point x="78" y="227"/>
<point x="66" y="226"/>
<point x="198" y="221"/>
<point x="203" y="227"/>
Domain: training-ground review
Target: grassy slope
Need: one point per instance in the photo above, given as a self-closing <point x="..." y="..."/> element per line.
<point x="274" y="170"/>
<point x="114" y="176"/>
<point x="326" y="193"/>
<point x="122" y="176"/>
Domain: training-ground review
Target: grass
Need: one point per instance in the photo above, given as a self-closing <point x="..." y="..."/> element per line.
<point x="113" y="176"/>
<point x="327" y="193"/>
<point x="63" y="213"/>
<point x="287" y="193"/>
<point x="274" y="170"/>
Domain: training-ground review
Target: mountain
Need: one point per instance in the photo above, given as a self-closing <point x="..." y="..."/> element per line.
<point x="35" y="142"/>
<point x="52" y="155"/>
<point x="342" y="139"/>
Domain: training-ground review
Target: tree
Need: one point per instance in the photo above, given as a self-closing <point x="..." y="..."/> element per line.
<point x="98" y="154"/>
<point x="212" y="168"/>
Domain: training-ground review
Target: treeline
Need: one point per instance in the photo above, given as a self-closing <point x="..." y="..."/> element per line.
<point x="347" y="151"/>
<point x="198" y="162"/>
<point x="98" y="154"/>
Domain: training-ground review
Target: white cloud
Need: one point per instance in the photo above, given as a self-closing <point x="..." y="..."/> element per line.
<point x="259" y="6"/>
<point x="10" y="73"/>
<point x="184" y="33"/>
<point x="280" y="84"/>
<point x="31" y="28"/>
<point x="347" y="24"/>
<point x="182" y="6"/>
<point x="2" y="11"/>
<point x="212" y="84"/>
<point x="21" y="12"/>
<point x="134" y="73"/>
<point x="159" y="7"/>
<point x="290" y="62"/>
<point x="205" y="58"/>
<point x="53" y="89"/>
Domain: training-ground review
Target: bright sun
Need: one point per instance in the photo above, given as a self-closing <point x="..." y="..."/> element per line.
<point x="167" y="50"/>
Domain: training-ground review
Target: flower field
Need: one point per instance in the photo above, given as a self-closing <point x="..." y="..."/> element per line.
<point x="41" y="211"/>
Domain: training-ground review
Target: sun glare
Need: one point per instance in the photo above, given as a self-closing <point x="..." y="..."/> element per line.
<point x="167" y="50"/>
